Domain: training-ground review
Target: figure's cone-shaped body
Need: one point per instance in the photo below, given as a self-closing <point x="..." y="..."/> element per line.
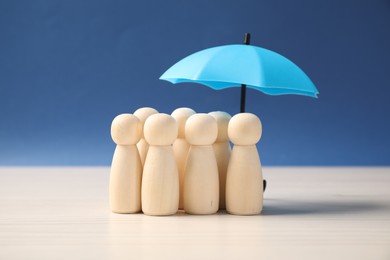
<point x="201" y="183"/>
<point x="244" y="180"/>
<point x="181" y="146"/>
<point x="222" y="152"/>
<point x="142" y="114"/>
<point x="160" y="180"/>
<point x="126" y="168"/>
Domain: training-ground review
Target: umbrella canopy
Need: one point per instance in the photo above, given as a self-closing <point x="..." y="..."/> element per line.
<point x="233" y="65"/>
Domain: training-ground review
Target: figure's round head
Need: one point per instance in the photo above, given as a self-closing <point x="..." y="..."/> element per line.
<point x="201" y="129"/>
<point x="143" y="113"/>
<point x="126" y="129"/>
<point x="181" y="115"/>
<point x="160" y="129"/>
<point x="223" y="119"/>
<point x="245" y="129"/>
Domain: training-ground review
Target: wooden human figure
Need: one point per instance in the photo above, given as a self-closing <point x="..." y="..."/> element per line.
<point x="126" y="167"/>
<point x="160" y="179"/>
<point x="142" y="114"/>
<point x="244" y="180"/>
<point x="201" y="183"/>
<point x="222" y="152"/>
<point x="181" y="146"/>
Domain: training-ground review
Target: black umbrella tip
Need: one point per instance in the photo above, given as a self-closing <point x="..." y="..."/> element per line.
<point x="247" y="39"/>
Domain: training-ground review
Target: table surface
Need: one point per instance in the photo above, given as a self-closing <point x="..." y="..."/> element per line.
<point x="309" y="213"/>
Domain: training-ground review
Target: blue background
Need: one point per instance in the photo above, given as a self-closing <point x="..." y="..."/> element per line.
<point x="67" y="68"/>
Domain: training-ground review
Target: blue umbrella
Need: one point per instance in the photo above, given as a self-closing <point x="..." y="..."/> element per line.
<point x="242" y="65"/>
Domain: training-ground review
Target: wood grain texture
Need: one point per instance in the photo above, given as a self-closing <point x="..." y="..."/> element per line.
<point x="244" y="181"/>
<point x="309" y="213"/>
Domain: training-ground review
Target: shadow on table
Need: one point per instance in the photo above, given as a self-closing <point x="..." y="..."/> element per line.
<point x="287" y="207"/>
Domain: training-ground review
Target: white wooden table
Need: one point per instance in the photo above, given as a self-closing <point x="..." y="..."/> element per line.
<point x="309" y="213"/>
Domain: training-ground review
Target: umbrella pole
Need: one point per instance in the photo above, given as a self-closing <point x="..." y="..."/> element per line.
<point x="247" y="41"/>
<point x="243" y="94"/>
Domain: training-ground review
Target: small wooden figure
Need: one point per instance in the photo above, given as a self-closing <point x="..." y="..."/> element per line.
<point x="181" y="146"/>
<point x="126" y="168"/>
<point x="201" y="184"/>
<point x="160" y="180"/>
<point x="142" y="114"/>
<point x="244" y="180"/>
<point x="222" y="152"/>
